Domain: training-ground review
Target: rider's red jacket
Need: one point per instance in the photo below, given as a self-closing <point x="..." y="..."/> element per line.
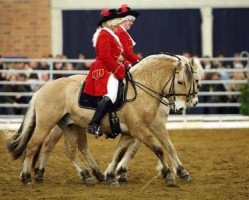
<point x="109" y="60"/>
<point x="127" y="43"/>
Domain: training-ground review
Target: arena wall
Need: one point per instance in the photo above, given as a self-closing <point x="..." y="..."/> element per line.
<point x="33" y="28"/>
<point x="25" y="28"/>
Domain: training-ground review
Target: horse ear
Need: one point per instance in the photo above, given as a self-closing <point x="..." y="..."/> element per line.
<point x="197" y="67"/>
<point x="192" y="62"/>
<point x="180" y="72"/>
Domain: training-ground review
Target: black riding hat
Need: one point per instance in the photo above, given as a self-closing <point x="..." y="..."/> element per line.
<point x="124" y="11"/>
<point x="108" y="14"/>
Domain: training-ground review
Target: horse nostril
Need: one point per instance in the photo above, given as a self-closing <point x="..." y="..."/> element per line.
<point x="180" y="110"/>
<point x="196" y="103"/>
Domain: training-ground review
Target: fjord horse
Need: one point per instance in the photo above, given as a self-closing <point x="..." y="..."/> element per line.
<point x="158" y="76"/>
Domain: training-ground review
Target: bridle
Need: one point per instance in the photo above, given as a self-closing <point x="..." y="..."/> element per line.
<point x="168" y="98"/>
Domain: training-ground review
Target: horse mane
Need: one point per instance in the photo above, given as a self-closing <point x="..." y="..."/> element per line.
<point x="153" y="58"/>
<point x="188" y="72"/>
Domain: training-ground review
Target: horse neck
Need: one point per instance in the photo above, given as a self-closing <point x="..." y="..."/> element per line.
<point x="155" y="73"/>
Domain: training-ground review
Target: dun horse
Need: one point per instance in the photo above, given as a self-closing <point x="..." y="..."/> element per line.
<point x="125" y="154"/>
<point x="163" y="76"/>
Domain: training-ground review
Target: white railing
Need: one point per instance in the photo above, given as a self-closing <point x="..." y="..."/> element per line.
<point x="51" y="72"/>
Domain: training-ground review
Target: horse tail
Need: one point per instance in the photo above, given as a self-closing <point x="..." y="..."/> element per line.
<point x="18" y="142"/>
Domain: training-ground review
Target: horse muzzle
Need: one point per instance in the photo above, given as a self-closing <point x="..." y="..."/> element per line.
<point x="177" y="109"/>
<point x="192" y="102"/>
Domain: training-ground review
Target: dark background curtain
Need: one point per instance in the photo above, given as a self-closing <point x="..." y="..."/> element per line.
<point x="172" y="30"/>
<point x="230" y="31"/>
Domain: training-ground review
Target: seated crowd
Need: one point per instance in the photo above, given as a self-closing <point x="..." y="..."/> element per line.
<point x="31" y="81"/>
<point x="35" y="74"/>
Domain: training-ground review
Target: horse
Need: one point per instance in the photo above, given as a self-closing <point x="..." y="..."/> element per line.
<point x="159" y="76"/>
<point x="128" y="152"/>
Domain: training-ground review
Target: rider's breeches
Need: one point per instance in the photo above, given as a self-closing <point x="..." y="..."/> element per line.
<point x="112" y="88"/>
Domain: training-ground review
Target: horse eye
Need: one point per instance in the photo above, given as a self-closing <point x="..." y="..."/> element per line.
<point x="180" y="82"/>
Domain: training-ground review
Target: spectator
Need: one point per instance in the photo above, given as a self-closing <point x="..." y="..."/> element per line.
<point x="69" y="67"/>
<point x="237" y="61"/>
<point x="235" y="87"/>
<point x="207" y="63"/>
<point x="43" y="66"/>
<point x="34" y="66"/>
<point x="82" y="66"/>
<point x="214" y="98"/>
<point x="186" y="54"/>
<point x="224" y="75"/>
<point x="2" y="74"/>
<point x="15" y="99"/>
<point x="44" y="76"/>
<point x="58" y="66"/>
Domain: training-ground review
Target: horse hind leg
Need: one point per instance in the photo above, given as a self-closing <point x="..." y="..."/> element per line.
<point x="123" y="164"/>
<point x="48" y="147"/>
<point x="83" y="148"/>
<point x="34" y="143"/>
<point x="71" y="144"/>
<point x="123" y="145"/>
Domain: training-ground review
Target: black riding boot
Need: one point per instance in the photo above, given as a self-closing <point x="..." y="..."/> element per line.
<point x="100" y="112"/>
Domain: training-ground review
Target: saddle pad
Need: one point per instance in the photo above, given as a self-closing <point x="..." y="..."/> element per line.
<point x="92" y="102"/>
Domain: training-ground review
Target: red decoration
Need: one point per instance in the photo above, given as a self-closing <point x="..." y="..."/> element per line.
<point x="124" y="8"/>
<point x="105" y="12"/>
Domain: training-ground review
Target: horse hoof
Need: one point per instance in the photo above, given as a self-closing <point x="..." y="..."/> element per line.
<point x="99" y="176"/>
<point x="170" y="180"/>
<point x="184" y="175"/>
<point x="123" y="179"/>
<point x="115" y="183"/>
<point x="26" y="179"/>
<point x="90" y="181"/>
<point x="171" y="183"/>
<point x="39" y="175"/>
<point x="28" y="183"/>
<point x="110" y="179"/>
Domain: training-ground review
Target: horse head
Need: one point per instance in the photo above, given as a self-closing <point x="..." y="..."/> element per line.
<point x="185" y="84"/>
<point x="170" y="79"/>
<point x="197" y="72"/>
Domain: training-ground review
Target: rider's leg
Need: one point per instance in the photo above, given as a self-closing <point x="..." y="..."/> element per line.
<point x="104" y="106"/>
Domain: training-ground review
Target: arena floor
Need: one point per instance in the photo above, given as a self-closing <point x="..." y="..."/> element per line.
<point x="218" y="161"/>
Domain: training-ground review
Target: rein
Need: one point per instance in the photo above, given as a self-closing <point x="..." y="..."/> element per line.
<point x="157" y="95"/>
<point x="147" y="90"/>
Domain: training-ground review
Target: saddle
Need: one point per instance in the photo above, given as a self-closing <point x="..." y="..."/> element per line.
<point x="91" y="102"/>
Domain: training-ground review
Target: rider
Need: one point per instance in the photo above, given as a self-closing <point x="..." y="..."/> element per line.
<point x="128" y="43"/>
<point x="108" y="68"/>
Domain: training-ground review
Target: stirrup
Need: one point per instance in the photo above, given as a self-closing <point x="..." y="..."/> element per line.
<point x="94" y="129"/>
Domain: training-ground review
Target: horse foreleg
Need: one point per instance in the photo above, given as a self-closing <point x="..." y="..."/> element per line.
<point x="123" y="145"/>
<point x="123" y="164"/>
<point x="146" y="136"/>
<point x="178" y="168"/>
<point x="71" y="142"/>
<point x="83" y="147"/>
<point x="177" y="165"/>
